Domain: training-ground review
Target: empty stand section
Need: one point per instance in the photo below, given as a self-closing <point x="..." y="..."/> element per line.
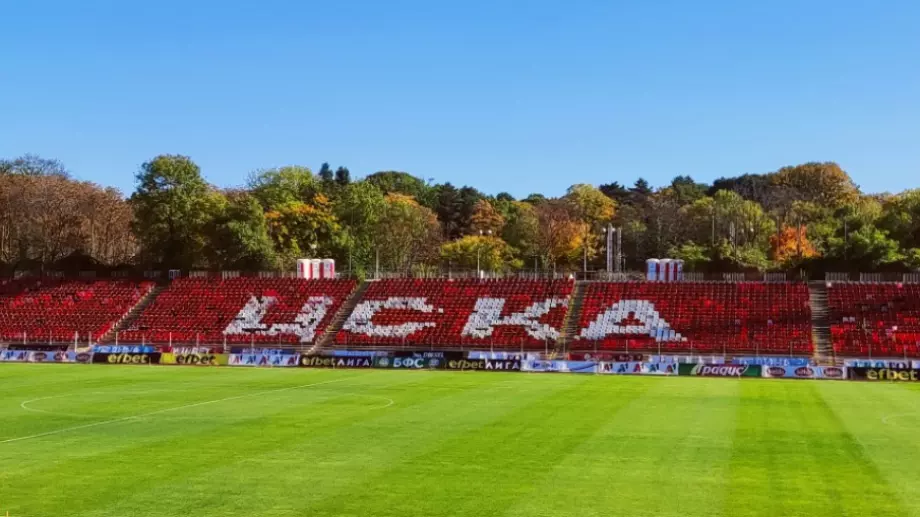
<point x="279" y="311"/>
<point x="445" y="314"/>
<point x="882" y="320"/>
<point x="746" y="318"/>
<point x="59" y="310"/>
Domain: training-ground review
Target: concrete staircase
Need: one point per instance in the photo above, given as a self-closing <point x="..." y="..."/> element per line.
<point x="128" y="319"/>
<point x="570" y="326"/>
<point x="820" y="323"/>
<point x="338" y="320"/>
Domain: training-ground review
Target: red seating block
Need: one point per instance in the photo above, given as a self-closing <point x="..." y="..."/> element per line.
<point x="446" y="314"/>
<point x="242" y="310"/>
<point x="59" y="310"/>
<point x="881" y="320"/>
<point x="735" y="318"/>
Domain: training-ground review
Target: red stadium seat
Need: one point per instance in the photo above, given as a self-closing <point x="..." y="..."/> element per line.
<point x="50" y="309"/>
<point x="736" y="318"/>
<point x="881" y="320"/>
<point x="446" y="314"/>
<point x="267" y="311"/>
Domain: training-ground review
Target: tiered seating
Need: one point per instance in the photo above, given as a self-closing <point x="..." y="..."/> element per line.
<point x="875" y="319"/>
<point x="50" y="309"/>
<point x="739" y="318"/>
<point x="445" y="314"/>
<point x="239" y="310"/>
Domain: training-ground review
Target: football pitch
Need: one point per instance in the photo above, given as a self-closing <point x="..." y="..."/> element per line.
<point x="173" y="441"/>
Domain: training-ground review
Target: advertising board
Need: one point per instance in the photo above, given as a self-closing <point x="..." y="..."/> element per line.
<point x="124" y="358"/>
<point x="559" y="366"/>
<point x="805" y="372"/>
<point x="637" y="368"/>
<point x="720" y="370"/>
<point x="862" y="373"/>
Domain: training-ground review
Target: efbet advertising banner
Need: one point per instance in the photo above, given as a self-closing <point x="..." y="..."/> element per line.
<point x="126" y="358"/>
<point x="861" y="373"/>
<point x="268" y="360"/>
<point x="323" y="361"/>
<point x="560" y="366"/>
<point x="491" y="365"/>
<point x="720" y="370"/>
<point x="637" y="368"/>
<point x="804" y="372"/>
<point x="195" y="359"/>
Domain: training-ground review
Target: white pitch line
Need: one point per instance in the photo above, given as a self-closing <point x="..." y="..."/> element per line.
<point x="160" y="411"/>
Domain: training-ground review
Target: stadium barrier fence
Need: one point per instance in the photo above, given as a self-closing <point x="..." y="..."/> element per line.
<point x="893" y="371"/>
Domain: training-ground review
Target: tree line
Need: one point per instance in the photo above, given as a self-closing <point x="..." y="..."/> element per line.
<point x="805" y="217"/>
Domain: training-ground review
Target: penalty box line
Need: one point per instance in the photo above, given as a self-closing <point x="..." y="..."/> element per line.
<point x="167" y="410"/>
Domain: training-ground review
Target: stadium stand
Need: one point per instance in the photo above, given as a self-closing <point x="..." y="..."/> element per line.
<point x="49" y="309"/>
<point x="445" y="314"/>
<point x="763" y="318"/>
<point x="241" y="310"/>
<point x="875" y="319"/>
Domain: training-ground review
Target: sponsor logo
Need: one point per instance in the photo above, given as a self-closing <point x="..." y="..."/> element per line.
<point x="316" y="361"/>
<point x="128" y="359"/>
<point x="776" y="371"/>
<point x="804" y="371"/>
<point x="833" y="372"/>
<point x="84" y="357"/>
<point x="197" y="359"/>
<point x="718" y="370"/>
<point x="39" y="357"/>
<point x="414" y="362"/>
<point x="503" y="365"/>
<point x="466" y="364"/>
<point x="889" y="374"/>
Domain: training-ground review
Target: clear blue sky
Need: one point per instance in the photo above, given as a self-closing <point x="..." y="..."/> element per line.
<point x="506" y="96"/>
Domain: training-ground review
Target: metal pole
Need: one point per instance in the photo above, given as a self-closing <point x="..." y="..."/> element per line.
<point x="609" y="246"/>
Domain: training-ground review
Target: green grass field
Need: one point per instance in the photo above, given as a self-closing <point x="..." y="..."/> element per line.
<point x="170" y="441"/>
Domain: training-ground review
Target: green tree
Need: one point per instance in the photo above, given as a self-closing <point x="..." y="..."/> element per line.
<point x="687" y="191"/>
<point x="305" y="230"/>
<point x="172" y="204"/>
<point x="394" y="182"/>
<point x="359" y="207"/>
<point x="282" y="186"/>
<point x="325" y="174"/>
<point x="342" y="176"/>
<point x="239" y="235"/>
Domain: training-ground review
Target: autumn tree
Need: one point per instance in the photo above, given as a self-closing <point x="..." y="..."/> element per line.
<point x="560" y="234"/>
<point x="407" y="234"/>
<point x="791" y="244"/>
<point x="486" y="219"/>
<point x="489" y="252"/>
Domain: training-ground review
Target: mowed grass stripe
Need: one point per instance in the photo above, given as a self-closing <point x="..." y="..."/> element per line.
<point x="884" y="422"/>
<point x="342" y="465"/>
<point x="270" y="464"/>
<point x="663" y="453"/>
<point x="793" y="456"/>
<point x="459" y="444"/>
<point x="498" y="462"/>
